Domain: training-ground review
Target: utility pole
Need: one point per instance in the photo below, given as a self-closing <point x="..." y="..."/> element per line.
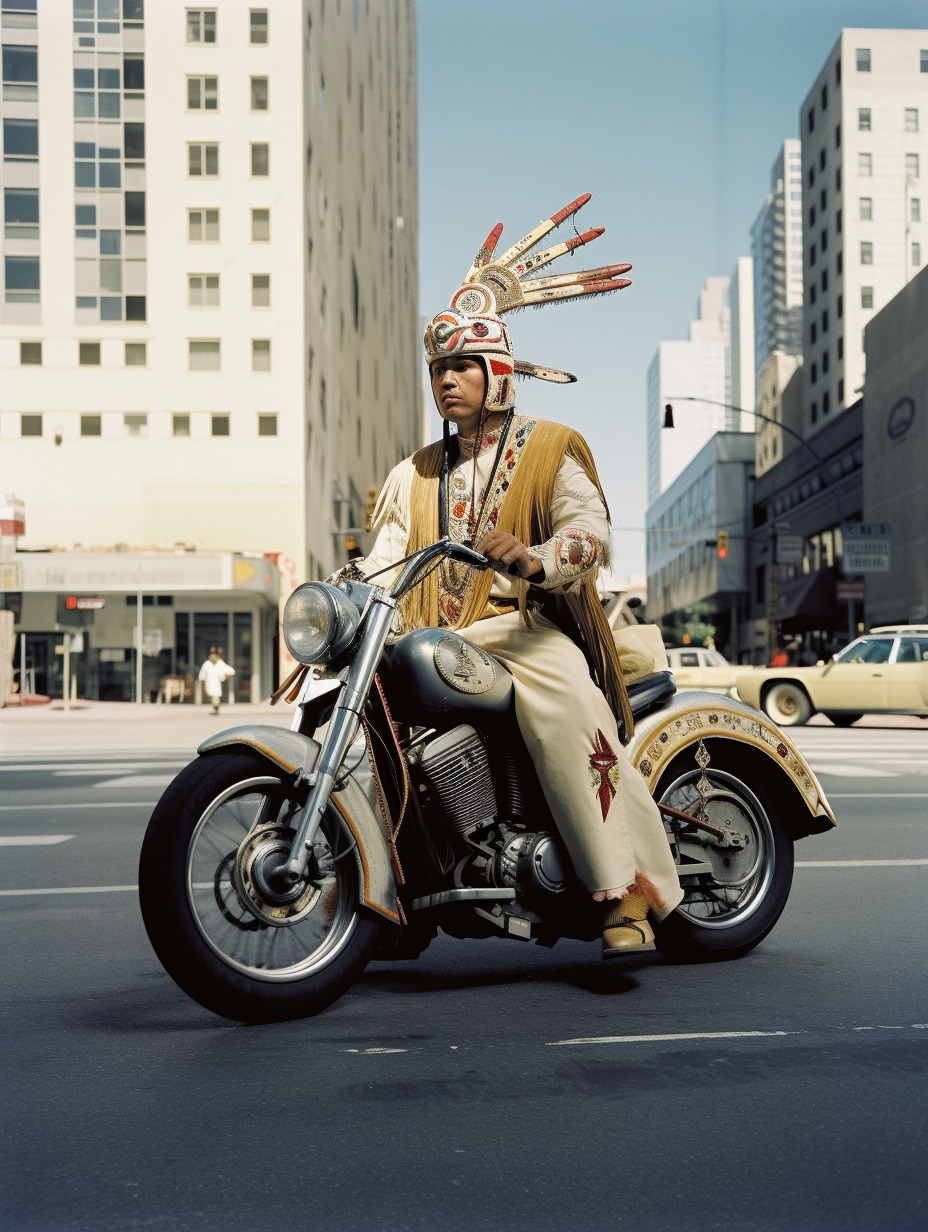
<point x="139" y="630"/>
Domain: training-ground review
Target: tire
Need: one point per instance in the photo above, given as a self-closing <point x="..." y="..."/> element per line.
<point x="717" y="921"/>
<point x="787" y="704"/>
<point x="214" y="935"/>
<point x="842" y="718"/>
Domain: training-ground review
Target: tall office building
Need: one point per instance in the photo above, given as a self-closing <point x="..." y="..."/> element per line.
<point x="699" y="367"/>
<point x="209" y="331"/>
<point x="776" y="245"/>
<point x="741" y="298"/>
<point x="864" y="169"/>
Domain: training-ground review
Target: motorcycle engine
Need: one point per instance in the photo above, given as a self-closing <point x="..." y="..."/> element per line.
<point x="457" y="772"/>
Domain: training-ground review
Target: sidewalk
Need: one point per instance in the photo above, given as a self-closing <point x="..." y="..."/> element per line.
<point x="102" y="727"/>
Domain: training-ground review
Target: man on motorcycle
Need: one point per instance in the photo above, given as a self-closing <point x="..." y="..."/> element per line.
<point x="525" y="492"/>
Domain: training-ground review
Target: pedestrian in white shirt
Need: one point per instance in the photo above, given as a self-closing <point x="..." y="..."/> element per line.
<point x="213" y="674"/>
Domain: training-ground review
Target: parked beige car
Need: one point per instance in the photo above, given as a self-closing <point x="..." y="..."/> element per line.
<point x="884" y="671"/>
<point x="696" y="667"/>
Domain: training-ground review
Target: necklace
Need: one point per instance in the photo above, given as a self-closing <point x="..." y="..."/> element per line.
<point x="474" y="518"/>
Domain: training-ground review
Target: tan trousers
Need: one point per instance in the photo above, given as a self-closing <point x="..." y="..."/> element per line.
<point x="602" y="807"/>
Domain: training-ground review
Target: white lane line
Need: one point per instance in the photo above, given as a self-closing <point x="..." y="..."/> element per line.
<point x="69" y="890"/>
<point x="858" y="863"/>
<point x="137" y="780"/>
<point x="878" y="795"/>
<point x="660" y="1039"/>
<point x="371" y="1052"/>
<point x="18" y="808"/>
<point x="60" y="769"/>
<point x="33" y="840"/>
<point x="848" y="771"/>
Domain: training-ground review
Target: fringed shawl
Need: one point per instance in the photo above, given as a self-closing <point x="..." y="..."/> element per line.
<point x="526" y="513"/>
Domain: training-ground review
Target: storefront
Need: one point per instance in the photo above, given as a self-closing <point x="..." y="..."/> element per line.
<point x="88" y="613"/>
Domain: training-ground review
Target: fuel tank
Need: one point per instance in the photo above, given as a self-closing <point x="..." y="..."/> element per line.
<point x="437" y="679"/>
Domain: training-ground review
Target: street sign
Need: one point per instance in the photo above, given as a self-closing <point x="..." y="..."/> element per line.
<point x="849" y="590"/>
<point x="85" y="603"/>
<point x="789" y="549"/>
<point x="867" y="547"/>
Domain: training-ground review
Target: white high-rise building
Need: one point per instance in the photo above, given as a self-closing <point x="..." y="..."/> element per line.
<point x="699" y="367"/>
<point x="208" y="330"/>
<point x="741" y="297"/>
<point x="776" y="245"/>
<point x="865" y="193"/>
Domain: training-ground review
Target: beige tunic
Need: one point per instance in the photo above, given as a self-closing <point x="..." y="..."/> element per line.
<point x="602" y="807"/>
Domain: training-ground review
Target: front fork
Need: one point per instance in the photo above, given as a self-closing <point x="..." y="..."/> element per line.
<point x="342" y="729"/>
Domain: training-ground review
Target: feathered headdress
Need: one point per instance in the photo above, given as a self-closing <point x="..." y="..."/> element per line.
<point x="493" y="286"/>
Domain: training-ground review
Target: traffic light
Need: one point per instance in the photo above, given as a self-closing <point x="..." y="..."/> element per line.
<point x="723" y="544"/>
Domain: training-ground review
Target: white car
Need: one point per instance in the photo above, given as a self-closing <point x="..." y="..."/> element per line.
<point x="696" y="667"/>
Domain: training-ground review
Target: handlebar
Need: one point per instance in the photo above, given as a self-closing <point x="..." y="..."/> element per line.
<point x="444" y="547"/>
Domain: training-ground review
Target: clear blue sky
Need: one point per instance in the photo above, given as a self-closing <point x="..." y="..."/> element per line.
<point x="670" y="113"/>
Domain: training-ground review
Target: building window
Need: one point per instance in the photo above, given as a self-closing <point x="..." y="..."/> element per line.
<point x="260" y="290"/>
<point x="20" y="67"/>
<point x="201" y="25"/>
<point x="826" y="402"/>
<point x="841" y="352"/>
<point x="813" y="291"/>
<point x="260" y="226"/>
<point x="811" y="215"/>
<point x="841" y="389"/>
<point x="219" y="425"/>
<point x="202" y="93"/>
<point x="837" y="135"/>
<point x="20" y="140"/>
<point x="258" y="26"/>
<point x="135" y="425"/>
<point x="203" y="290"/>
<point x="866" y="252"/>
<point x="21" y="213"/>
<point x="204" y="355"/>
<point x="825" y="363"/>
<point x="812" y="255"/>
<point x="840" y="307"/>
<point x="813" y="333"/>
<point x="824" y="281"/>
<point x="203" y="226"/>
<point x="916" y="253"/>
<point x="22" y="280"/>
<point x="814" y="373"/>
<point x="837" y="179"/>
<point x="824" y="239"/>
<point x="915" y="209"/>
<point x="839" y="221"/>
<point x="180" y="425"/>
<point x="267" y="425"/>
<point x="825" y="321"/>
<point x="91" y="425"/>
<point x="863" y="59"/>
<point x="821" y="160"/>
<point x="866" y="209"/>
<point x="923" y="60"/>
<point x="202" y="160"/>
<point x="863" y="119"/>
<point x="88" y="353"/>
<point x="134" y="142"/>
<point x="259" y="95"/>
<point x="911" y="119"/>
<point x="911" y="165"/>
<point x="839" y="263"/>
<point x="260" y="158"/>
<point x="865" y="164"/>
<point x="825" y="97"/>
<point x="30" y="425"/>
<point x="810" y="120"/>
<point x="136" y="354"/>
<point x="260" y="354"/>
<point x="30" y="352"/>
<point x="813" y="409"/>
<point x="866" y="297"/>
<point x="135" y="209"/>
<point x="811" y="176"/>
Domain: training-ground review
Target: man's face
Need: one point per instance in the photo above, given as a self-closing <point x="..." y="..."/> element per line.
<point x="459" y="385"/>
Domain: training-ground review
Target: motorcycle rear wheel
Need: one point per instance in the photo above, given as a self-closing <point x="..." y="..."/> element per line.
<point x="719" y="919"/>
<point x="240" y="955"/>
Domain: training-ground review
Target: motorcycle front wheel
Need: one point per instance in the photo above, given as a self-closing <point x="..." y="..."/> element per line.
<point x="231" y="940"/>
<point x="728" y="911"/>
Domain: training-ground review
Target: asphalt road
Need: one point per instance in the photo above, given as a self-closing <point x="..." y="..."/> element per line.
<point x="489" y="1085"/>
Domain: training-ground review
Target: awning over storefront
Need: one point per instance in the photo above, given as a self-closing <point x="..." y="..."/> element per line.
<point x="148" y="572"/>
<point x="808" y="602"/>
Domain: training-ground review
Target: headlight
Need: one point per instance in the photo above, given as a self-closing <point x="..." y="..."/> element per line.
<point x="319" y="622"/>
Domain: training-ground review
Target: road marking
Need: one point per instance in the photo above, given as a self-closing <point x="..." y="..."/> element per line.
<point x="89" y="767"/>
<point x="858" y="863"/>
<point x="368" y="1052"/>
<point x="660" y="1039"/>
<point x="33" y="840"/>
<point x="18" y="808"/>
<point x="138" y="780"/>
<point x="69" y="890"/>
<point x="878" y="795"/>
<point x="854" y="772"/>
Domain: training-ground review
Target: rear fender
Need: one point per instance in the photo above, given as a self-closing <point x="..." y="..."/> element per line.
<point x="735" y="733"/>
<point x="293" y="752"/>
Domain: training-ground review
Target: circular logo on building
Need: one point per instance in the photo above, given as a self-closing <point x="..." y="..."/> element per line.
<point x="900" y="419"/>
<point x="463" y="666"/>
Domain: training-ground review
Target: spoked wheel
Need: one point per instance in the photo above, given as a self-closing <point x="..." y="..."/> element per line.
<point x="727" y="911"/>
<point x="228" y="930"/>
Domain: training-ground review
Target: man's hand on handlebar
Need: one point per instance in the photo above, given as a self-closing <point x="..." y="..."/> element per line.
<point x="508" y="555"/>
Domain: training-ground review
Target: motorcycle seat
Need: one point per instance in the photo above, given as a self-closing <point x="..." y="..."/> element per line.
<point x="651" y="692"/>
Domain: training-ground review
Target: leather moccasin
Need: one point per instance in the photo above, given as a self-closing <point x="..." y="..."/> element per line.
<point x="627" y="937"/>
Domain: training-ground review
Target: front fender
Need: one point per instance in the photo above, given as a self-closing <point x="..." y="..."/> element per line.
<point x="294" y="752"/>
<point x="692" y="716"/>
